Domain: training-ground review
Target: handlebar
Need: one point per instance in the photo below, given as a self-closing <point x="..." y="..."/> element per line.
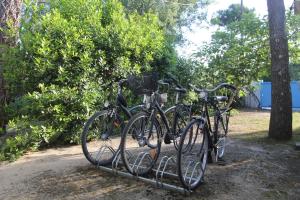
<point x="195" y="89"/>
<point x="163" y="82"/>
<point x="178" y="87"/>
<point x="222" y="85"/>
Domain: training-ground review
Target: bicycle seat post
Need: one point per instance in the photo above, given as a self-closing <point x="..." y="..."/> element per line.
<point x="177" y="98"/>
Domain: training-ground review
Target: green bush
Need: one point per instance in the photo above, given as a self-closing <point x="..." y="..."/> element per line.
<point x="68" y="51"/>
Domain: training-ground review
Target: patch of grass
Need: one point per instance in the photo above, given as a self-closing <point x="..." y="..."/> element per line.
<point x="234" y="112"/>
<point x="253" y="125"/>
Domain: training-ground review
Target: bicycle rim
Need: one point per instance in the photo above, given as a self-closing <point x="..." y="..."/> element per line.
<point x="98" y="140"/>
<point x="182" y="115"/>
<point x="140" y="146"/>
<point x="222" y="129"/>
<point x="192" y="154"/>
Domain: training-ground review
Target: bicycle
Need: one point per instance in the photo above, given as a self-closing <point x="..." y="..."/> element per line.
<point x="143" y="135"/>
<point x="179" y="114"/>
<point x="97" y="146"/>
<point x="200" y="138"/>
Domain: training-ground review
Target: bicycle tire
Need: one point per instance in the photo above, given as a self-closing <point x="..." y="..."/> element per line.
<point x="193" y="155"/>
<point x="221" y="134"/>
<point x="131" y="153"/>
<point x="93" y="127"/>
<point x="180" y="122"/>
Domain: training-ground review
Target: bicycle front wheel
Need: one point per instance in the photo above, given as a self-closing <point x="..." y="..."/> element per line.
<point x="140" y="145"/>
<point x="221" y="134"/>
<point x="97" y="143"/>
<point x="192" y="154"/>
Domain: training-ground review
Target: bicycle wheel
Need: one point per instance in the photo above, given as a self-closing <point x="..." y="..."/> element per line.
<point x="179" y="116"/>
<point x="221" y="133"/>
<point x="192" y="154"/>
<point x="97" y="145"/>
<point x="140" y="145"/>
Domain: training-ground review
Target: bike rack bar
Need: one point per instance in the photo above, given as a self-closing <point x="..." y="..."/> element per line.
<point x="143" y="157"/>
<point x="102" y="151"/>
<point x="99" y="153"/>
<point x="146" y="180"/>
<point x="194" y="171"/>
<point x="137" y="159"/>
<point x="116" y="160"/>
<point x="158" y="169"/>
<point x="128" y="153"/>
<point x="158" y="178"/>
<point x="188" y="166"/>
<point x="162" y="173"/>
<point x="167" y="174"/>
<point x="165" y="166"/>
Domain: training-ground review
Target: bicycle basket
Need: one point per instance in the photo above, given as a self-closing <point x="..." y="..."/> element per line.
<point x="145" y="84"/>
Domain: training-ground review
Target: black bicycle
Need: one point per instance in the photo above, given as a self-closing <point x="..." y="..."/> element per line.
<point x="98" y="145"/>
<point x="143" y="135"/>
<point x="179" y="114"/>
<point x="201" y="137"/>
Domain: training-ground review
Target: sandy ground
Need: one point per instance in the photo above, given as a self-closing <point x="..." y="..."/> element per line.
<point x="253" y="171"/>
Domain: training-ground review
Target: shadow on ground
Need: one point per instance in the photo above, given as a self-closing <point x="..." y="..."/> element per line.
<point x="253" y="171"/>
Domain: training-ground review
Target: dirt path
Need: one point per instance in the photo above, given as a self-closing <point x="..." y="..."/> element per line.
<point x="253" y="171"/>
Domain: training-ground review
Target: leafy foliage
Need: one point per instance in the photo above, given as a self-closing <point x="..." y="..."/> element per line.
<point x="230" y="15"/>
<point x="68" y="51"/>
<point x="238" y="52"/>
<point x="171" y="14"/>
<point x="293" y="28"/>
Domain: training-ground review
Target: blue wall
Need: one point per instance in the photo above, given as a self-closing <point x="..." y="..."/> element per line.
<point x="265" y="94"/>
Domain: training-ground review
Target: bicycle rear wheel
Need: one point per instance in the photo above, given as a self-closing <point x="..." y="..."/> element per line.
<point x="178" y="117"/>
<point x="192" y="154"/>
<point x="140" y="145"/>
<point x="97" y="145"/>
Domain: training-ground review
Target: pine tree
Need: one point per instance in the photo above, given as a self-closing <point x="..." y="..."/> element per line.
<point x="10" y="11"/>
<point x="281" y="112"/>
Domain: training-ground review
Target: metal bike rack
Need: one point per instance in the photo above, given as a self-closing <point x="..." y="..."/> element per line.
<point x="137" y="163"/>
<point x="160" y="178"/>
<point x="161" y="170"/>
<point x="102" y="150"/>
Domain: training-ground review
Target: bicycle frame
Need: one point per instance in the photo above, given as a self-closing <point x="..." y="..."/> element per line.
<point x="125" y="110"/>
<point x="155" y="108"/>
<point x="217" y="115"/>
<point x="118" y="107"/>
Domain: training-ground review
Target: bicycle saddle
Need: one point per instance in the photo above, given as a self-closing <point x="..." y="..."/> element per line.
<point x="221" y="98"/>
<point x="122" y="100"/>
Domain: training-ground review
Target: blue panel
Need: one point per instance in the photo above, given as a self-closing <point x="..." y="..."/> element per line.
<point x="265" y="94"/>
<point x="295" y="88"/>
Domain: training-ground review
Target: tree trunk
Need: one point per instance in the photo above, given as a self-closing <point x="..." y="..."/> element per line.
<point x="297" y="7"/>
<point x="2" y="93"/>
<point x="281" y="112"/>
<point x="10" y="11"/>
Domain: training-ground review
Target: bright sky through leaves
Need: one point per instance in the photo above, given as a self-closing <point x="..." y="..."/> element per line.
<point x="197" y="34"/>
